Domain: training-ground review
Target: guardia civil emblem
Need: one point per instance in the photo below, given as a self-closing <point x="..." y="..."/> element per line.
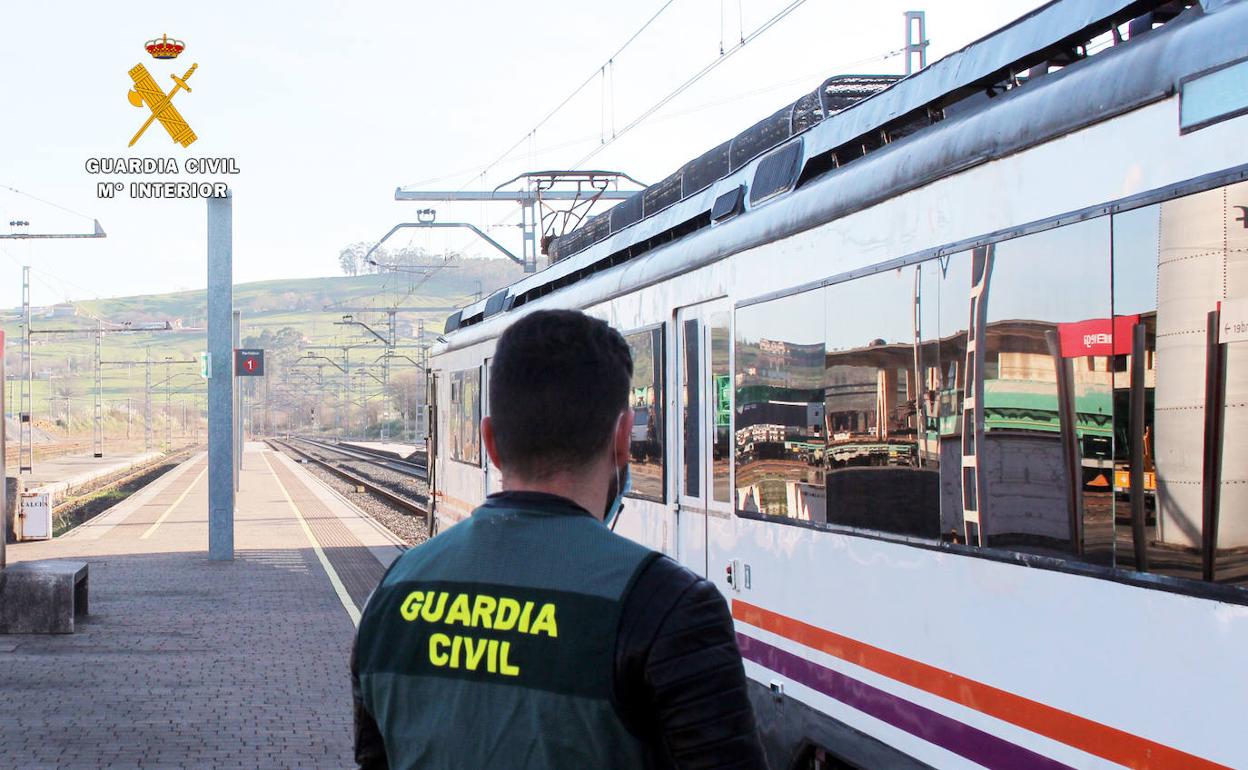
<point x="159" y="103"/>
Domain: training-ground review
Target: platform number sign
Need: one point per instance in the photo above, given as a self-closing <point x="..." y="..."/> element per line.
<point x="248" y="363"/>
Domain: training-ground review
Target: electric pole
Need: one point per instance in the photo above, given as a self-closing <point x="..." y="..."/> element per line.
<point x="168" y="412"/>
<point x="97" y="425"/>
<point x="147" y="399"/>
<point x="25" y="451"/>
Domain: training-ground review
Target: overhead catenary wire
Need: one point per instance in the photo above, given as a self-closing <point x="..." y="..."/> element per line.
<point x="45" y="202"/>
<point x="745" y="40"/>
<point x="822" y="73"/>
<point x="597" y="72"/>
<point x="536" y="152"/>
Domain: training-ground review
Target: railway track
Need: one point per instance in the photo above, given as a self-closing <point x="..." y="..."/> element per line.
<point x="396" y="481"/>
<point x="389" y="460"/>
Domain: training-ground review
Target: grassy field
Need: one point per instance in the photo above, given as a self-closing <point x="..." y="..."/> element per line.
<point x="63" y="364"/>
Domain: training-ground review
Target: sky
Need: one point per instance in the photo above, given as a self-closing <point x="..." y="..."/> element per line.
<point x="328" y="106"/>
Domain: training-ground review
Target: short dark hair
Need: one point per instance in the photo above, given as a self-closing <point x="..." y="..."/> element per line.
<point x="558" y="382"/>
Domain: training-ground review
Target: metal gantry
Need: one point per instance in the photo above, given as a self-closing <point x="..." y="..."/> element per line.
<point x="25" y="451"/>
<point x="577" y="191"/>
<point x="26" y="410"/>
<point x="916" y="40"/>
<point x="147" y="362"/>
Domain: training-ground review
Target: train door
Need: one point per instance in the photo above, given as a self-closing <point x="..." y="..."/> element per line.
<point x="492" y="477"/>
<point x="431" y="447"/>
<point x="703" y="336"/>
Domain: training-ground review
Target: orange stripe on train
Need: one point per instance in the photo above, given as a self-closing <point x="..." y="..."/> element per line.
<point x="1093" y="737"/>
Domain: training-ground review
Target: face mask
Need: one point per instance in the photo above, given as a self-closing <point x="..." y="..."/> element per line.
<point x="622" y="487"/>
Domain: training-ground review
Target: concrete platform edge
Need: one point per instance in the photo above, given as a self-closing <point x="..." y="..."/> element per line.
<point x="356" y="522"/>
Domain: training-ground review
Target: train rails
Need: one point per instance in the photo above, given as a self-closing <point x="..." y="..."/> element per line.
<point x="400" y="483"/>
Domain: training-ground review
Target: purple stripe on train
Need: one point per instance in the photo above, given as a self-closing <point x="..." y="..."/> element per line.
<point x="932" y="726"/>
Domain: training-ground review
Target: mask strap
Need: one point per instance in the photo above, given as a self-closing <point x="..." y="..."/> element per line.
<point x="619" y="480"/>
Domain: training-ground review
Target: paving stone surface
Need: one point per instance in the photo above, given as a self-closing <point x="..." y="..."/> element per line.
<point x="186" y="662"/>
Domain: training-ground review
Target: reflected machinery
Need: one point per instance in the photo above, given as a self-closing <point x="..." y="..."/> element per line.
<point x="938" y="379"/>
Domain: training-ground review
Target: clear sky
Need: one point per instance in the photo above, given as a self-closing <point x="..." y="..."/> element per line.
<point x="328" y="106"/>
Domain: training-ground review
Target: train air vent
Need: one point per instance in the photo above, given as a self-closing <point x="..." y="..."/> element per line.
<point x="776" y="172"/>
<point x="728" y="205"/>
<point x="496" y="303"/>
<point x="452" y="321"/>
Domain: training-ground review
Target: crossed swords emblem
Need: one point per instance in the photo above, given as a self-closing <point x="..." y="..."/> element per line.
<point x="146" y="91"/>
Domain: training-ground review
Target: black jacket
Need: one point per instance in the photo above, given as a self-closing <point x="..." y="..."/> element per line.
<point x="679" y="683"/>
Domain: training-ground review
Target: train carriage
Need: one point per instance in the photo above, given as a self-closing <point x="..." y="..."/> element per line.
<point x="938" y="379"/>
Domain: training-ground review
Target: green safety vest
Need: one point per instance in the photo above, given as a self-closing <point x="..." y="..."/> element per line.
<point x="493" y="644"/>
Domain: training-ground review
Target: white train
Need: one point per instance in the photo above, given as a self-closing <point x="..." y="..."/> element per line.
<point x="940" y="380"/>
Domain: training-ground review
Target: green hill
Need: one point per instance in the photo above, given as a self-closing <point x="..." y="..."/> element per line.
<point x="281" y="315"/>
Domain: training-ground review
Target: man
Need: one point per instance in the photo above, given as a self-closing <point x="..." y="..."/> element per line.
<point x="530" y="635"/>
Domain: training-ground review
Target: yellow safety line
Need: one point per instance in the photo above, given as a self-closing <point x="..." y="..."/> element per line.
<point x="176" y="503"/>
<point x="339" y="588"/>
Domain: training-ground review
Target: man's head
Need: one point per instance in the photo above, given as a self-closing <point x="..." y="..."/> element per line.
<point x="559" y="385"/>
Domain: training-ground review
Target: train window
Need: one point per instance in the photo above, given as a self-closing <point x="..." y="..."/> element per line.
<point x="646" y="456"/>
<point x="720" y="395"/>
<point x="944" y="312"/>
<point x="882" y="467"/>
<point x="691" y="354"/>
<point x="1176" y="264"/>
<point x="464" y="421"/>
<point x="1045" y="459"/>
<point x="1047" y="394"/>
<point x="842" y="424"/>
<point x="779" y="407"/>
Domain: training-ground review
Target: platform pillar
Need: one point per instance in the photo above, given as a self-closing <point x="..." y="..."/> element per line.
<point x="221" y="381"/>
<point x="236" y="342"/>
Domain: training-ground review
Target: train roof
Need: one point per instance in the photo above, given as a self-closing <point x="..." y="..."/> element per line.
<point x="852" y="117"/>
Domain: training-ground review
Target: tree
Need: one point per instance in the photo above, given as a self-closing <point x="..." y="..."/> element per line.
<point x="351" y="259"/>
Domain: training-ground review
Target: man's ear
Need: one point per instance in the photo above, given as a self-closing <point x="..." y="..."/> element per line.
<point x="487" y="437"/>
<point x="624" y="435"/>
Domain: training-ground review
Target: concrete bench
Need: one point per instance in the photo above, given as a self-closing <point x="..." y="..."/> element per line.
<point x="42" y="597"/>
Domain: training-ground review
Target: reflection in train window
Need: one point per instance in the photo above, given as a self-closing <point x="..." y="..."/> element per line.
<point x="1046" y="461"/>
<point x="691" y="352"/>
<point x="1045" y="394"/>
<point x="464" y="423"/>
<point x="646" y="402"/>
<point x="779" y="422"/>
<point x="944" y="310"/>
<point x="880" y="476"/>
<point x="720" y="396"/>
<point x="1173" y="264"/>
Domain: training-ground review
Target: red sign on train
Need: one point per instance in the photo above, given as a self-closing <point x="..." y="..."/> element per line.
<point x="1097" y="336"/>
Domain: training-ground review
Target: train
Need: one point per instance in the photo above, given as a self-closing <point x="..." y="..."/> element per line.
<point x="937" y="378"/>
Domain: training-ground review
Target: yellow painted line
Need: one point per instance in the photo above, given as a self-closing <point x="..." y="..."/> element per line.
<point x="176" y="503"/>
<point x="336" y="581"/>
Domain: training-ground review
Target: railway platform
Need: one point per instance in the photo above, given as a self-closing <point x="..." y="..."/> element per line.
<point x="186" y="662"/>
<point x="58" y="475"/>
<point x="401" y="451"/>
